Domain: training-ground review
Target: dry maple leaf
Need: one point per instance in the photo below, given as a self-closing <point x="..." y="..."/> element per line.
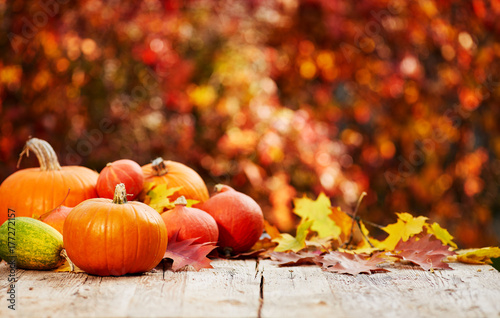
<point x="158" y="197"/>
<point x="441" y="234"/>
<point x="349" y="263"/>
<point x="426" y="252"/>
<point x="271" y="230"/>
<point x="286" y="242"/>
<point x="477" y="255"/>
<point x="186" y="252"/>
<point x="360" y="234"/>
<point x="343" y="221"/>
<point x="318" y="212"/>
<point x="67" y="267"/>
<point x="403" y="229"/>
<point x="264" y="243"/>
<point x="294" y="259"/>
<point x="255" y="252"/>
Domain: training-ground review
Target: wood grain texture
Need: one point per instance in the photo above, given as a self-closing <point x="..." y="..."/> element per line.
<point x="257" y="289"/>
<point x="300" y="291"/>
<point x="411" y="292"/>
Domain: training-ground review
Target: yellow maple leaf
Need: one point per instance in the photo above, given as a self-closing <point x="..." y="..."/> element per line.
<point x="158" y="197"/>
<point x="66" y="267"/>
<point x="477" y="255"/>
<point x="404" y="228"/>
<point x="271" y="230"/>
<point x="317" y="211"/>
<point x="286" y="242"/>
<point x="191" y="202"/>
<point x="324" y="243"/>
<point x="360" y="234"/>
<point x="343" y="221"/>
<point x="363" y="245"/>
<point x="442" y="234"/>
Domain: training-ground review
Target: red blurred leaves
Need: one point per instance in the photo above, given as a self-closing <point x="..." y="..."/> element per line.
<point x="274" y="98"/>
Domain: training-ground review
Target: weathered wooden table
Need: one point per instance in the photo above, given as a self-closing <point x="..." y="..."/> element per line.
<point x="256" y="289"/>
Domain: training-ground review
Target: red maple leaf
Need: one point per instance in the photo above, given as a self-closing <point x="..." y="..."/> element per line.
<point x="293" y="259"/>
<point x="347" y="263"/>
<point x="423" y="251"/>
<point x="184" y="253"/>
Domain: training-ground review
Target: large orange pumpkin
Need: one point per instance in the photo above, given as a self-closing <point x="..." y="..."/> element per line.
<point x="115" y="237"/>
<point x="175" y="174"/>
<point x="38" y="190"/>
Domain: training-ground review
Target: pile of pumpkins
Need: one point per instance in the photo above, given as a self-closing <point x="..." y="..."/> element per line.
<point x="102" y="225"/>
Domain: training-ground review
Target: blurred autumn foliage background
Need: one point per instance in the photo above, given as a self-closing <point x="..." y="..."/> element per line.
<point x="277" y="98"/>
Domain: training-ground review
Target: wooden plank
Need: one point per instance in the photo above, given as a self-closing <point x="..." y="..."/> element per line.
<point x="410" y="292"/>
<point x="467" y="291"/>
<point x="230" y="289"/>
<point x="257" y="289"/>
<point x="158" y="295"/>
<point x="40" y="293"/>
<point x="299" y="291"/>
<point x="102" y="297"/>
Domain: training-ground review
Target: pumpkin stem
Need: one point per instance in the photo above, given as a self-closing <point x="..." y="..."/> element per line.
<point x="120" y="196"/>
<point x="46" y="155"/>
<point x="65" y="255"/>
<point x="227" y="251"/>
<point x="218" y="187"/>
<point x="159" y="168"/>
<point x="180" y="201"/>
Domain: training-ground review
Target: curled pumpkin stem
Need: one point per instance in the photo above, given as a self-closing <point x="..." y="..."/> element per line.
<point x="46" y="155"/>
<point x="65" y="255"/>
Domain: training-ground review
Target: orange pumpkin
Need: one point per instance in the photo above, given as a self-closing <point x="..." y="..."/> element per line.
<point x="175" y="174"/>
<point x="38" y="190"/>
<point x="239" y="218"/>
<point x="123" y="171"/>
<point x="190" y="223"/>
<point x="115" y="237"/>
<point x="56" y="217"/>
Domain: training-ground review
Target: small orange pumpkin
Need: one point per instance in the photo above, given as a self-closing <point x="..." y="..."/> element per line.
<point x="123" y="171"/>
<point x="38" y="190"/>
<point x="239" y="218"/>
<point x="175" y="174"/>
<point x="191" y="223"/>
<point x="56" y="217"/>
<point x="115" y="237"/>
